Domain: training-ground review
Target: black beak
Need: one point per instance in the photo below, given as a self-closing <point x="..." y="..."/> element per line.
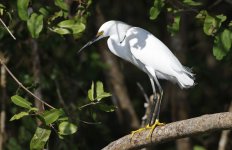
<point x="89" y="43"/>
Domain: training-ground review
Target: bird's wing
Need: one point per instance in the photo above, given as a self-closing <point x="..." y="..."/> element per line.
<point x="151" y="51"/>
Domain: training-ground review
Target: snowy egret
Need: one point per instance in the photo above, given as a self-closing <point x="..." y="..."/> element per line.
<point x="148" y="53"/>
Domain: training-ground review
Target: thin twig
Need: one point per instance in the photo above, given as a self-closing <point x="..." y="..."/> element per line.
<point x="144" y="94"/>
<point x="21" y="85"/>
<point x="89" y="123"/>
<point x="7" y="29"/>
<point x="147" y="106"/>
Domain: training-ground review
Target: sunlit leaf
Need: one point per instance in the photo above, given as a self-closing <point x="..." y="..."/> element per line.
<point x="63" y="119"/>
<point x="156" y="8"/>
<point x="19" y="115"/>
<point x="197" y="147"/>
<point x="55" y="16"/>
<point x="61" y="31"/>
<point x="2" y="7"/>
<point x="22" y="6"/>
<point x="69" y="27"/>
<point x="100" y="93"/>
<point x="212" y="24"/>
<point x="202" y="14"/>
<point x="35" y="24"/>
<point x="44" y="11"/>
<point x="191" y="3"/>
<point x="91" y="92"/>
<point x="67" y="128"/>
<point x="62" y="4"/>
<point x="19" y="101"/>
<point x="230" y="24"/>
<point x="52" y="115"/>
<point x="40" y="138"/>
<point x="75" y="26"/>
<point x="222" y="44"/>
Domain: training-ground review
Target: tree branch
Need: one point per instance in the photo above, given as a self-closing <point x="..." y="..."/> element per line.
<point x="7" y="29"/>
<point x="175" y="130"/>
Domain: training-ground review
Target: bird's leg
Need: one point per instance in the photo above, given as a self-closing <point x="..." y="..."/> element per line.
<point x="160" y="99"/>
<point x="157" y="110"/>
<point x="152" y="108"/>
<point x="153" y="103"/>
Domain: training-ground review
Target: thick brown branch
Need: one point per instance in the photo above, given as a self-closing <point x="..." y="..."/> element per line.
<point x="175" y="130"/>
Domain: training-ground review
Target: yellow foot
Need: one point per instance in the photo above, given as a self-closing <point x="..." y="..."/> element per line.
<point x="152" y="128"/>
<point x="136" y="131"/>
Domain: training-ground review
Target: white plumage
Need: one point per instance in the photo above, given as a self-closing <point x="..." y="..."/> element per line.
<point x="144" y="50"/>
<point x="148" y="53"/>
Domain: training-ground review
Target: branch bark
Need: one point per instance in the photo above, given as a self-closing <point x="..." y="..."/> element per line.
<point x="175" y="130"/>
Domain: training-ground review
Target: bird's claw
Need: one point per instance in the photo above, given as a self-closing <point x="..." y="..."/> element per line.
<point x="152" y="128"/>
<point x="137" y="131"/>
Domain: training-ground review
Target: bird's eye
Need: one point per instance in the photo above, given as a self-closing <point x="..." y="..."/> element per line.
<point x="99" y="33"/>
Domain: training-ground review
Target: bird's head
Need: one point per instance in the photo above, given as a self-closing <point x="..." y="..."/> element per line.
<point x="107" y="29"/>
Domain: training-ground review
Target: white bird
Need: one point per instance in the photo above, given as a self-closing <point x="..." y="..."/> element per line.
<point x="148" y="53"/>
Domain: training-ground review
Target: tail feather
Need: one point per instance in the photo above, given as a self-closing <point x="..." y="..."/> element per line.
<point x="185" y="79"/>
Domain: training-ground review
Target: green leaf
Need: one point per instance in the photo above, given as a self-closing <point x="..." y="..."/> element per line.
<point x="40" y="138"/>
<point x="230" y="24"/>
<point x="67" y="128"/>
<point x="226" y="39"/>
<point x="19" y="115"/>
<point x="55" y="16"/>
<point x="155" y="10"/>
<point x="212" y="24"/>
<point x="61" y="4"/>
<point x="69" y="27"/>
<point x="52" y="115"/>
<point x="44" y="11"/>
<point x="222" y="44"/>
<point x="33" y="109"/>
<point x="191" y="3"/>
<point x="202" y="14"/>
<point x="2" y="7"/>
<point x="91" y="92"/>
<point x="63" y="119"/>
<point x="100" y="91"/>
<point x="174" y="27"/>
<point x="107" y="108"/>
<point x="35" y="24"/>
<point x="22" y="6"/>
<point x="60" y="31"/>
<point x="75" y="26"/>
<point x="19" y="101"/>
<point x="197" y="147"/>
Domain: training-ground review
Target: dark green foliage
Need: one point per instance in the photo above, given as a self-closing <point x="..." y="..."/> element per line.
<point x="59" y="29"/>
